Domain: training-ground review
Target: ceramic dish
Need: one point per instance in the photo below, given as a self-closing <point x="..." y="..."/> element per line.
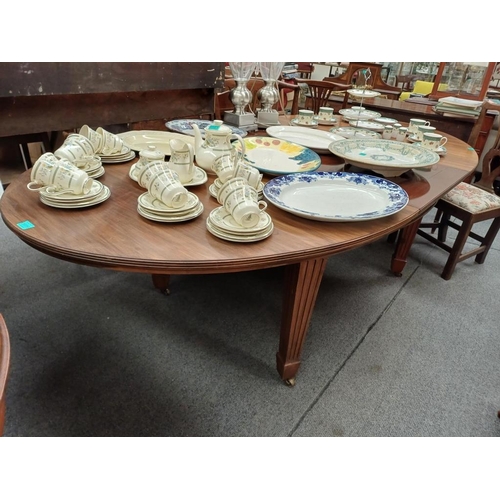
<point x="184" y="216"/>
<point x="336" y="196"/>
<point x="138" y="140"/>
<point x="367" y="125"/>
<point x="184" y="127"/>
<point x="95" y="200"/>
<point x="222" y="219"/>
<point x="317" y="140"/>
<point x="278" y="157"/>
<point x="363" y="93"/>
<point x="385" y="120"/>
<point x="239" y="238"/>
<point x="297" y="123"/>
<point x="331" y="121"/>
<point x="389" y="158"/>
<point x="352" y="114"/>
<point x="353" y="132"/>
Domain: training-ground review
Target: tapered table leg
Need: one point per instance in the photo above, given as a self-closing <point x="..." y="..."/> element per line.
<point x="161" y="281"/>
<point x="301" y="285"/>
<point x="403" y="245"/>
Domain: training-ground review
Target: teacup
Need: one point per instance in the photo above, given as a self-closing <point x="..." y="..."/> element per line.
<point x="325" y="114"/>
<point x="58" y="176"/>
<point x="395" y="130"/>
<point x="111" y="143"/>
<point x="424" y="129"/>
<point x="251" y="174"/>
<point x="305" y="117"/>
<point x="223" y="166"/>
<point x="415" y="123"/>
<point x="243" y="205"/>
<point x="401" y="134"/>
<point x="95" y="138"/>
<point x="75" y="147"/>
<point x="387" y="132"/>
<point x="166" y="186"/>
<point x="182" y="160"/>
<point x="433" y="141"/>
<point x="229" y="186"/>
<point x="147" y="171"/>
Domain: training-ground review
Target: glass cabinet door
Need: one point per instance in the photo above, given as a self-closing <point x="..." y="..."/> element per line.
<point x="468" y="80"/>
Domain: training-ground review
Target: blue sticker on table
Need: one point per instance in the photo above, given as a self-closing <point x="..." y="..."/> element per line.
<point x="26" y="224"/>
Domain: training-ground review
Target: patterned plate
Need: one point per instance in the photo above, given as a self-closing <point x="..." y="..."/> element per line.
<point x="278" y="157"/>
<point x="184" y="127"/>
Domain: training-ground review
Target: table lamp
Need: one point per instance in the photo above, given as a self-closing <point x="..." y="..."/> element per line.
<point x="241" y="96"/>
<point x="269" y="95"/>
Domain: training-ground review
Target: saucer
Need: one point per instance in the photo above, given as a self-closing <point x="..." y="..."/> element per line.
<point x="325" y="122"/>
<point x="413" y="138"/>
<point x="148" y="202"/>
<point x="296" y="122"/>
<point x="238" y="238"/>
<point x="200" y="177"/>
<point x="224" y="221"/>
<point x="185" y="216"/>
<point x="83" y="203"/>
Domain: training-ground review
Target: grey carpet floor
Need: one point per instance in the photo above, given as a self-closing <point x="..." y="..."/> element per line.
<point x="102" y="353"/>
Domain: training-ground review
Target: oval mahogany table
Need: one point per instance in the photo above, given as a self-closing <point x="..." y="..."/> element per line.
<point x="113" y="235"/>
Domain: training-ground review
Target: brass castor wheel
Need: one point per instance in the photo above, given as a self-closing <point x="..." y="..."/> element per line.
<point x="290" y="382"/>
<point x="165" y="291"/>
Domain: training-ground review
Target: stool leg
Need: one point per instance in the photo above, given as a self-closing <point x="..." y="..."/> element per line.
<point x="488" y="240"/>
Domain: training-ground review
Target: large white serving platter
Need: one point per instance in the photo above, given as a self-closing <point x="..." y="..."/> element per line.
<point x="277" y="157"/>
<point x="389" y="158"/>
<point x="317" y="140"/>
<point x="139" y="140"/>
<point x="336" y="196"/>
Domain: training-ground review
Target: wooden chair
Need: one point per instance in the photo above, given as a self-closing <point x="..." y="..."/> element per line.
<point x="319" y="92"/>
<point x="406" y="81"/>
<point x="305" y="69"/>
<point x="4" y="368"/>
<point x="469" y="203"/>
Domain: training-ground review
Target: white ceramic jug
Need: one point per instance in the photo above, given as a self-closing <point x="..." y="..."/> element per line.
<point x="182" y="159"/>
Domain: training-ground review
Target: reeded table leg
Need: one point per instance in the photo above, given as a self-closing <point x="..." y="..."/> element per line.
<point x="301" y="287"/>
<point x="403" y="245"/>
<point x="161" y="281"/>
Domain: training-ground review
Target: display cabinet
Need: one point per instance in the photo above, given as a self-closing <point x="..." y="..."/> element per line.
<point x="467" y="80"/>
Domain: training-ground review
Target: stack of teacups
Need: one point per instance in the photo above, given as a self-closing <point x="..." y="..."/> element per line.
<point x="167" y="200"/>
<point x="227" y="167"/>
<point x="81" y="152"/>
<point x="242" y="217"/>
<point x="108" y="146"/>
<point x="62" y="184"/>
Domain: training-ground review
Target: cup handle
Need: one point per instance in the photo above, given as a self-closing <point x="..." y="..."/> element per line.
<point x="51" y="190"/>
<point x="443" y="141"/>
<point x="34" y="183"/>
<point x="242" y="144"/>
<point x="262" y="205"/>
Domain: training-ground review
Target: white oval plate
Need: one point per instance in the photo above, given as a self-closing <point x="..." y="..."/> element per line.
<point x="367" y="94"/>
<point x="317" y="140"/>
<point x="336" y="196"/>
<point x="138" y="140"/>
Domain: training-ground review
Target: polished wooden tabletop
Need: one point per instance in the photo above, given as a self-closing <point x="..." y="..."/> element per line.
<point x="113" y="235"/>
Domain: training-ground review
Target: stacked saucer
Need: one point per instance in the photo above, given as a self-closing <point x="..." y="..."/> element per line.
<point x="126" y="154"/>
<point x="94" y="168"/>
<point x="221" y="224"/>
<point x="214" y="189"/>
<point x="153" y="209"/>
<point x="97" y="194"/>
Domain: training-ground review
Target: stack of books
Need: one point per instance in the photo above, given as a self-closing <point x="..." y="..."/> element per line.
<point x="454" y="106"/>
